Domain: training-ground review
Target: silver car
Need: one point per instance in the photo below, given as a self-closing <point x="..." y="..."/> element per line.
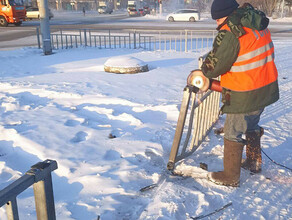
<point x="184" y="15"/>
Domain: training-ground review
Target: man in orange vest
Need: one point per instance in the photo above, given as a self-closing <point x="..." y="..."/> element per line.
<point x="243" y="55"/>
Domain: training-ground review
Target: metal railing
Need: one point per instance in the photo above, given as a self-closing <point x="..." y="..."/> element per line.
<point x="40" y="177"/>
<point x="167" y="40"/>
<point x="198" y="113"/>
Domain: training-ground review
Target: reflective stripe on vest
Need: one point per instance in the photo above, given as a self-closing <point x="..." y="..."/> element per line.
<point x="254" y="67"/>
<point x="256" y="52"/>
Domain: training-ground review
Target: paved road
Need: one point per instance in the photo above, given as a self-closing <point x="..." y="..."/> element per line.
<point x="64" y="20"/>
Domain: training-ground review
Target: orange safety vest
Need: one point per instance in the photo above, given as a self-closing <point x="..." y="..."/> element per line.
<point x="254" y="67"/>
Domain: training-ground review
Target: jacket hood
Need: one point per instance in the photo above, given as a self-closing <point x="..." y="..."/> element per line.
<point x="248" y="16"/>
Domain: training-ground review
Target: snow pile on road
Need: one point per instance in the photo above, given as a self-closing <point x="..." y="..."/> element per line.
<point x="111" y="135"/>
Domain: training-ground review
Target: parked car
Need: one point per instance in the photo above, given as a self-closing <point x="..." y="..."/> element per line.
<point x="33" y="13"/>
<point x="146" y="10"/>
<point x="184" y="15"/>
<point x="133" y="12"/>
<point x="104" y="10"/>
<point x="141" y="12"/>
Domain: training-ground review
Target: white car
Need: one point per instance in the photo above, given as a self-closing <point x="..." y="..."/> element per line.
<point x="184" y="15"/>
<point x="33" y="13"/>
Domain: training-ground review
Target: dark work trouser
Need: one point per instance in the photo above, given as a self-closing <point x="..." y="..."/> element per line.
<point x="238" y="124"/>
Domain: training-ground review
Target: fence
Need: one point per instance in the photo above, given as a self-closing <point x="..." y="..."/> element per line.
<point x="203" y="114"/>
<point x="167" y="40"/>
<point x="40" y="177"/>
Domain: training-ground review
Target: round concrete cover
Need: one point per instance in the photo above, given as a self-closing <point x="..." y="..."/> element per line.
<point x="125" y="64"/>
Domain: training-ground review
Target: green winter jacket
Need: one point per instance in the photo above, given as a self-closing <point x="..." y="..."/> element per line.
<point x="224" y="53"/>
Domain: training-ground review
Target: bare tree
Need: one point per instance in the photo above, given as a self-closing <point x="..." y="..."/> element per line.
<point x="267" y="6"/>
<point x="289" y="4"/>
<point x="255" y="3"/>
<point x="201" y="5"/>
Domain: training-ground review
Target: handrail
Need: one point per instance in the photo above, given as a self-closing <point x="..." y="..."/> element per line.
<point x="204" y="112"/>
<point x="153" y="40"/>
<point x="40" y="177"/>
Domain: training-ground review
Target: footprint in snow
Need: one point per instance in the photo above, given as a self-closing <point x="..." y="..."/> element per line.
<point x="72" y="123"/>
<point x="79" y="136"/>
<point x="154" y="157"/>
<point x="112" y="155"/>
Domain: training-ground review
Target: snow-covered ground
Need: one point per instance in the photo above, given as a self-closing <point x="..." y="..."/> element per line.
<point x="66" y="108"/>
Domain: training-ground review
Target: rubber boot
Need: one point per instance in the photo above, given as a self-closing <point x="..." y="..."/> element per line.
<point x="232" y="161"/>
<point x="253" y="161"/>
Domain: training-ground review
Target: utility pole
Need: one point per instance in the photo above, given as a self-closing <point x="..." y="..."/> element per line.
<point x="45" y="26"/>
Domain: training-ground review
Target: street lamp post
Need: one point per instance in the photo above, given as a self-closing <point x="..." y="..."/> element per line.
<point x="45" y="26"/>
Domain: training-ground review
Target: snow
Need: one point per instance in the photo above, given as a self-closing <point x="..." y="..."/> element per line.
<point x="111" y="135"/>
<point x="124" y="61"/>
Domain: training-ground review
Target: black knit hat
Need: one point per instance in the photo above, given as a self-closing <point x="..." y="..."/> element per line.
<point x="223" y="8"/>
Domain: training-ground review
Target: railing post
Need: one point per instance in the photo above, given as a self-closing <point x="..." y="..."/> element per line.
<point x="43" y="189"/>
<point x="52" y="41"/>
<point x="38" y="37"/>
<point x="203" y="108"/>
<point x="90" y="38"/>
<point x="40" y="177"/>
<point x="186" y="41"/>
<point x="80" y="37"/>
<point x="12" y="210"/>
<point x="191" y="40"/>
<point x="150" y="40"/>
<point x="85" y="38"/>
<point x="129" y="40"/>
<point x="44" y="199"/>
<point x="61" y="32"/>
<point x="159" y="40"/>
<point x="179" y="128"/>
<point x="135" y="40"/>
<point x="165" y="48"/>
<point x="180" y="49"/>
<point x="109" y="39"/>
